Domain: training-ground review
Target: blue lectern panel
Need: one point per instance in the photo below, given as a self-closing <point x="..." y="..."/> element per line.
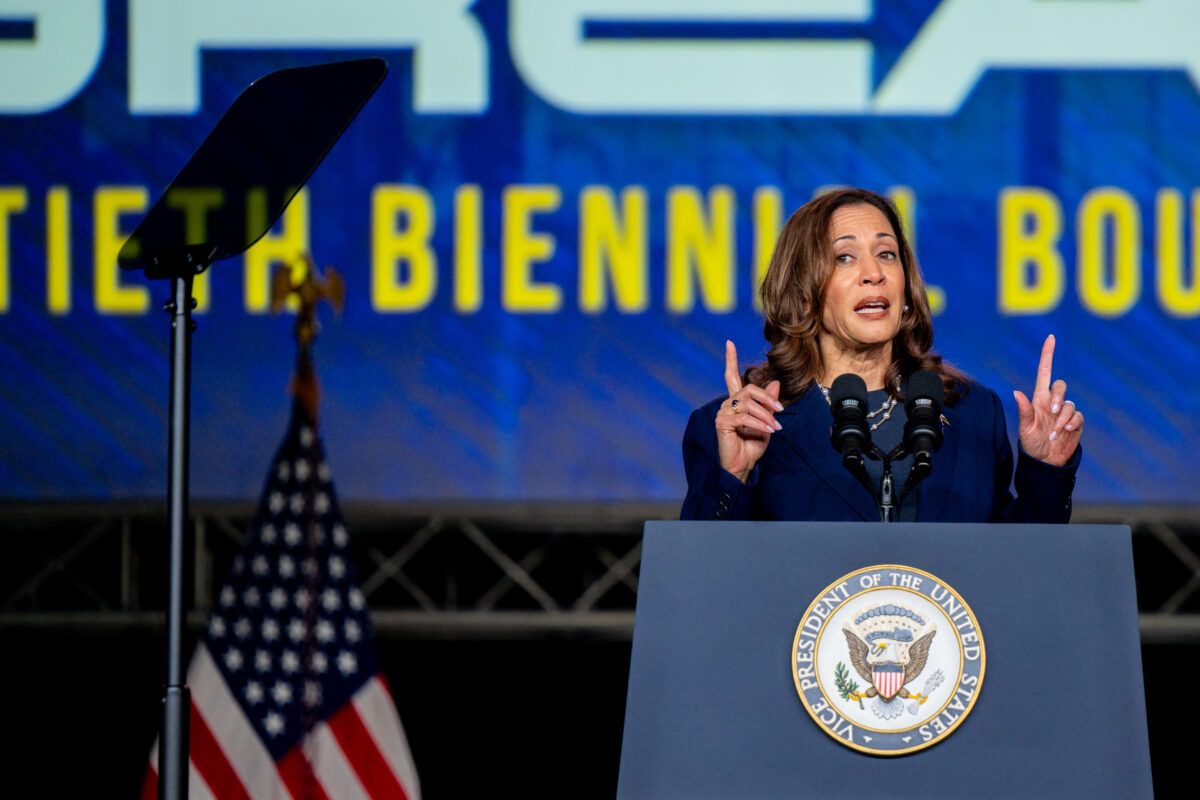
<point x="713" y="712"/>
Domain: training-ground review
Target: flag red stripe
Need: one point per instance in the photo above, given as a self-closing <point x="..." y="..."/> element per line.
<point x="209" y="760"/>
<point x="363" y="754"/>
<point x="150" y="784"/>
<point x="298" y="777"/>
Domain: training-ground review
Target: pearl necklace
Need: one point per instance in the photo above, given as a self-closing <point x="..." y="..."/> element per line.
<point x="886" y="409"/>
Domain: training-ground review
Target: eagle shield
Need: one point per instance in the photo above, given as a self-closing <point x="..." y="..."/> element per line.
<point x="889" y="645"/>
<point x="888" y="679"/>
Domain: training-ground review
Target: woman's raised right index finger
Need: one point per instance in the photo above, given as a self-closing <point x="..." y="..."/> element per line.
<point x="733" y="378"/>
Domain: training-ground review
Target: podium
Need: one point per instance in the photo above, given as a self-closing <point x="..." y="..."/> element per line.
<point x="713" y="707"/>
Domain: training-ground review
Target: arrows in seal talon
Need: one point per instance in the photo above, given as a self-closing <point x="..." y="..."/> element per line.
<point x="935" y="680"/>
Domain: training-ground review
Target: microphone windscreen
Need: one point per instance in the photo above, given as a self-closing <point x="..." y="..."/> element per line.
<point x="924" y="386"/>
<point x="848" y="386"/>
<point x="849" y="434"/>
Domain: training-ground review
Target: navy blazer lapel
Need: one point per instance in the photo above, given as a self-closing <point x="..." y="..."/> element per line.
<point x="934" y="491"/>
<point x="806" y="423"/>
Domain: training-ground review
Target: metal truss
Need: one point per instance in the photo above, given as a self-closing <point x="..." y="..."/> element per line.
<point x="442" y="571"/>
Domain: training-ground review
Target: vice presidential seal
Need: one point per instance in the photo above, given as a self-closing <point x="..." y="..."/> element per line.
<point x="888" y="660"/>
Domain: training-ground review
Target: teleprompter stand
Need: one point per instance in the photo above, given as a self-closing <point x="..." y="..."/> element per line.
<point x="268" y="142"/>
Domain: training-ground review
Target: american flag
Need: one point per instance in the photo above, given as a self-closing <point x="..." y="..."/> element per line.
<point x="287" y="697"/>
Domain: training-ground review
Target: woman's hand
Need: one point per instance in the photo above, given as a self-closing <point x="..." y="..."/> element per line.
<point x="746" y="420"/>
<point x="1049" y="426"/>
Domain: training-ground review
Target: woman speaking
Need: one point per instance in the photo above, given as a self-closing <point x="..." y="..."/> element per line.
<point x="843" y="294"/>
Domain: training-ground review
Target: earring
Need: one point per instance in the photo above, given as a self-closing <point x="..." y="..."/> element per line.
<point x="906" y="307"/>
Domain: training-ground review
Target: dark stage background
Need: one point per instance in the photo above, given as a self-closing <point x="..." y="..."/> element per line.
<point x="514" y="699"/>
<point x="483" y="718"/>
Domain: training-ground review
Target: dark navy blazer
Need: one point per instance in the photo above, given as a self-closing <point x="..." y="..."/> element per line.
<point x="801" y="477"/>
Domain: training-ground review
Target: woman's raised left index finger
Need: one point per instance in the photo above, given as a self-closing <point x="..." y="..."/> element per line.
<point x="1045" y="366"/>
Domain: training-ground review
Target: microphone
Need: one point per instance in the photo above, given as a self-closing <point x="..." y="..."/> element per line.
<point x="850" y="435"/>
<point x="923" y="431"/>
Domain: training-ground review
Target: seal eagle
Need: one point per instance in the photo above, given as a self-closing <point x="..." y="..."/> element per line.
<point x="889" y="645"/>
<point x="886" y="653"/>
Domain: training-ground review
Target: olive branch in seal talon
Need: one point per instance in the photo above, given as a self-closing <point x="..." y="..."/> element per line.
<point x="847" y="688"/>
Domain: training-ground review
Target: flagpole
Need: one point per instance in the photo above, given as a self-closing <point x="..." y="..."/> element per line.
<point x="173" y="755"/>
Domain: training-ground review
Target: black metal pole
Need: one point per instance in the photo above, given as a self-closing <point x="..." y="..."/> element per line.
<point x="173" y="744"/>
<point x="886" y="494"/>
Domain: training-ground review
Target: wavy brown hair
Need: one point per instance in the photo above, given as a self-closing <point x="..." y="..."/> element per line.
<point x="793" y="294"/>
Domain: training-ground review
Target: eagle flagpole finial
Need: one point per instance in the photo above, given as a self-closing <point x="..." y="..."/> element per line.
<point x="311" y="287"/>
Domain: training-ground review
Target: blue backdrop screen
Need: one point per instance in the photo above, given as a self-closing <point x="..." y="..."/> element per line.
<point x="553" y="214"/>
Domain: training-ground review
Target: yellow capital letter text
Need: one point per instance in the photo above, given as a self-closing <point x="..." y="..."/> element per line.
<point x="394" y="249"/>
<point x="523" y="248"/>
<point x="1031" y="272"/>
<point x="702" y="247"/>
<point x="619" y="244"/>
<point x="108" y="204"/>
